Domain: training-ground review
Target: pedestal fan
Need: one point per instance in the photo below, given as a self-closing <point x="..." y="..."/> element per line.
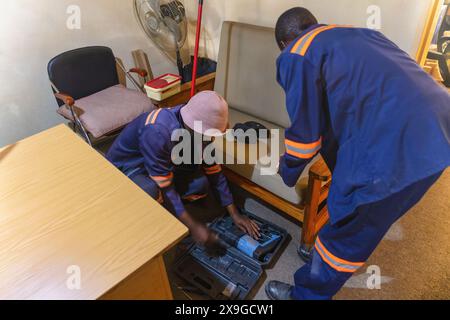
<point x="165" y="23"/>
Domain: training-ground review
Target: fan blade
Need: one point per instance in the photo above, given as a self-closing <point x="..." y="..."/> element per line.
<point x="165" y="24"/>
<point x="156" y="6"/>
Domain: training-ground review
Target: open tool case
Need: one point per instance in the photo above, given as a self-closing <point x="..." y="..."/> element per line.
<point x="234" y="274"/>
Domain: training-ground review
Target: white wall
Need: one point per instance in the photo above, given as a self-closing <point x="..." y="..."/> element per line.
<point x="401" y="20"/>
<point x="34" y="31"/>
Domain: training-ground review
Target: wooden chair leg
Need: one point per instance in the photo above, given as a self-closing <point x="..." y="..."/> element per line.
<point x="318" y="188"/>
<point x="311" y="216"/>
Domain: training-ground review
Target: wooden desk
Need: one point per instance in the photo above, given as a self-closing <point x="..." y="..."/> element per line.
<point x="61" y="205"/>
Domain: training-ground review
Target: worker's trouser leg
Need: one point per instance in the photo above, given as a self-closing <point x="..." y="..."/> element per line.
<point x="190" y="185"/>
<point x="343" y="248"/>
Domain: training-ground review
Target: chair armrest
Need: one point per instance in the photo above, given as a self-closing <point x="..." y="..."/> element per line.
<point x="319" y="170"/>
<point x="68" y="100"/>
<point x="140" y="72"/>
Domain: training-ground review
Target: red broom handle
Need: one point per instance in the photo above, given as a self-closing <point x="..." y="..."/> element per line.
<point x="197" y="44"/>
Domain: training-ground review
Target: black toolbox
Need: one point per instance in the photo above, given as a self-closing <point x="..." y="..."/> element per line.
<point x="234" y="274"/>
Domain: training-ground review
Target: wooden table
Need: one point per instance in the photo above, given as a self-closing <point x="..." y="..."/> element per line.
<point x="74" y="227"/>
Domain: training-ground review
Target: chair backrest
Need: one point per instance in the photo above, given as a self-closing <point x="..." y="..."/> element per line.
<point x="82" y="72"/>
<point x="246" y="72"/>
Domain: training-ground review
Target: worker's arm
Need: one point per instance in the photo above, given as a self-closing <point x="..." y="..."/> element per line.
<point x="302" y="84"/>
<point x="222" y="192"/>
<point x="219" y="184"/>
<point x="155" y="145"/>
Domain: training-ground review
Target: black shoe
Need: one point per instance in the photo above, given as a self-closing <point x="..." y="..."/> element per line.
<point x="276" y="290"/>
<point x="305" y="255"/>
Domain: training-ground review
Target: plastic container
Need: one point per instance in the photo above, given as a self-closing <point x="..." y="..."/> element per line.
<point x="163" y="87"/>
<point x="235" y="274"/>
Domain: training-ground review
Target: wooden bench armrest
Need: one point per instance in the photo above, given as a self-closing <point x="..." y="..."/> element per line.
<point x="319" y="170"/>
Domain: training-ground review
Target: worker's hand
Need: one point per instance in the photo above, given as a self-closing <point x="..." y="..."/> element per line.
<point x="199" y="231"/>
<point x="207" y="238"/>
<point x="203" y="235"/>
<point x="243" y="222"/>
<point x="247" y="225"/>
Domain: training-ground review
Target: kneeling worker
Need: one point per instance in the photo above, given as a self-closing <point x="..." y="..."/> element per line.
<point x="143" y="151"/>
<point x="380" y="122"/>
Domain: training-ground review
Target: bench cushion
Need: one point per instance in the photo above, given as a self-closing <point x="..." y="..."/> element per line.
<point x="109" y="110"/>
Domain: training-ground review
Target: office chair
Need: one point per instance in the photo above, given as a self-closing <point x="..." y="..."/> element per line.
<point x="86" y="86"/>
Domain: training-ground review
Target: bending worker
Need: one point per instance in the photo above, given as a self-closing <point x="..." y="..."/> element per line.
<point x="143" y="151"/>
<point x="381" y="124"/>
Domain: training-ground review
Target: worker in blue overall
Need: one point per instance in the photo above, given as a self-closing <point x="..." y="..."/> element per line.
<point x="143" y="152"/>
<point x="382" y="126"/>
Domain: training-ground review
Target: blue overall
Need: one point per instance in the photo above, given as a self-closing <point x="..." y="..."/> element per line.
<point x="381" y="124"/>
<point x="143" y="151"/>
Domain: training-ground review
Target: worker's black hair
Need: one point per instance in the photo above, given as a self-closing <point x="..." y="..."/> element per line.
<point x="291" y="24"/>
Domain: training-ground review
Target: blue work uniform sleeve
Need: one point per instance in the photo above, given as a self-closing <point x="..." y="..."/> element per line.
<point x="303" y="87"/>
<point x="155" y="145"/>
<point x="219" y="184"/>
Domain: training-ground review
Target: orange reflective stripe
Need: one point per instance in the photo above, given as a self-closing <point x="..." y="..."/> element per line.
<point x="155" y="116"/>
<point x="195" y="197"/>
<point x="356" y="264"/>
<point x="303" y="44"/>
<point x="148" y="118"/>
<point x="300" y="43"/>
<point x="304" y="146"/>
<point x="151" y="119"/>
<point x="212" y="170"/>
<point x="313" y="36"/>
<point x="303" y="150"/>
<point x="163" y="181"/>
<point x="169" y="176"/>
<point x="337" y="268"/>
<point x="336" y="263"/>
<point x="164" y="184"/>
